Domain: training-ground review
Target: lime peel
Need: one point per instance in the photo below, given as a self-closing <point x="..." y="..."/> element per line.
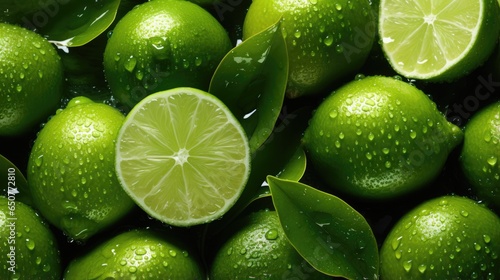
<point x="182" y="156"/>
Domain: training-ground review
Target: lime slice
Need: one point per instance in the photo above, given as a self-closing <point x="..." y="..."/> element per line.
<point x="182" y="156"/>
<point x="438" y="40"/>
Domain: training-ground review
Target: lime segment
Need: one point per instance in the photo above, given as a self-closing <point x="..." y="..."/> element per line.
<point x="182" y="156"/>
<point x="440" y="40"/>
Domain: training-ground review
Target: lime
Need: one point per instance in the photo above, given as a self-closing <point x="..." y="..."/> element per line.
<point x="438" y="41"/>
<point x="182" y="156"/>
<point x="71" y="171"/>
<point x="137" y="254"/>
<point x="379" y="137"/>
<point x="29" y="249"/>
<point x="327" y="40"/>
<point x="31" y="78"/>
<point x="161" y="45"/>
<point x="447" y="237"/>
<point x="480" y="153"/>
<point x="256" y="248"/>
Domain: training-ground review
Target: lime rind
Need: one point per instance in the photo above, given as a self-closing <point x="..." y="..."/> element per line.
<point x="183" y="157"/>
<point x="438" y="41"/>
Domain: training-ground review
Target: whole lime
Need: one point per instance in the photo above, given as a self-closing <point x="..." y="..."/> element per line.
<point x="327" y="40"/>
<point x="480" y="154"/>
<point x="31" y="78"/>
<point x="255" y="247"/>
<point x="138" y="254"/>
<point x="448" y="237"/>
<point x="378" y="138"/>
<point x="71" y="172"/>
<point x="161" y="45"/>
<point x="28" y="248"/>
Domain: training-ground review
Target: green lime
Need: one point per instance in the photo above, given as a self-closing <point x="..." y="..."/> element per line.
<point x="71" y="171"/>
<point x="480" y="153"/>
<point x="161" y="45"/>
<point x="182" y="156"/>
<point x="327" y="40"/>
<point x="137" y="254"/>
<point x="255" y="247"/>
<point x="447" y="237"/>
<point x="379" y="137"/>
<point x="438" y="41"/>
<point x="29" y="249"/>
<point x="31" y="78"/>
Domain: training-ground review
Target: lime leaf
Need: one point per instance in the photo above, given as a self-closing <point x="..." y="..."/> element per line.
<point x="251" y="81"/>
<point x="14" y="184"/>
<point x="296" y="167"/>
<point x="332" y="236"/>
<point x="75" y="22"/>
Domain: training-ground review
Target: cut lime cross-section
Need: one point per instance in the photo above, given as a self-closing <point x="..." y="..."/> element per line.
<point x="438" y="40"/>
<point x="182" y="156"/>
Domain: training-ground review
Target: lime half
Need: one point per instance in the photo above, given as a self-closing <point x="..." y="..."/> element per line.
<point x="182" y="156"/>
<point x="438" y="40"/>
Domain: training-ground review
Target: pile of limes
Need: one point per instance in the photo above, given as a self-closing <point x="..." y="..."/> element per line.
<point x="144" y="164"/>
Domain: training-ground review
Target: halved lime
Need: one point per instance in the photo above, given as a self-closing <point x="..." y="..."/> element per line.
<point x="438" y="40"/>
<point x="182" y="156"/>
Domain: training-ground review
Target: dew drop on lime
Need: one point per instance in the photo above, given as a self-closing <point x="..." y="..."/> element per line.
<point x="172" y="253"/>
<point x="130" y="64"/>
<point x="486" y="238"/>
<point x="333" y="114"/>
<point x="407" y="265"/>
<point x="338" y="7"/>
<point x="492" y="161"/>
<point x="271" y="234"/>
<point x="30" y="244"/>
<point x="46" y="268"/>
<point x="464" y="213"/>
<point x="422" y="268"/>
<point x="39" y="160"/>
<point x="132" y="269"/>
<point x="413" y="134"/>
<point x="477" y="247"/>
<point x="396" y="242"/>
<point x="371" y="136"/>
<point x="140" y="251"/>
<point x="328" y="41"/>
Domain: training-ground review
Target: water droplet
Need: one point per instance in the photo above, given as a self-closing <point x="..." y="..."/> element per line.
<point x="487" y="137"/>
<point x="341" y="135"/>
<point x="486" y="238"/>
<point x="172" y="253"/>
<point x="464" y="213"/>
<point x="369" y="156"/>
<point x="30" y="244"/>
<point x="407" y="266"/>
<point x="371" y="136"/>
<point x="132" y="269"/>
<point x="140" y="251"/>
<point x="396" y="242"/>
<point x="413" y="134"/>
<point x="385" y="151"/>
<point x="334" y="114"/>
<point x="338" y="7"/>
<point x="271" y="234"/>
<point x="492" y="161"/>
<point x="297" y="34"/>
<point x="422" y="268"/>
<point x="130" y="64"/>
<point x="387" y="164"/>
<point x="39" y="160"/>
<point x="328" y="41"/>
<point x="477" y="246"/>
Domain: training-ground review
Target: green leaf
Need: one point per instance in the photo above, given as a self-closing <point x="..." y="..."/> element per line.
<point x="73" y="23"/>
<point x="296" y="167"/>
<point x="13" y="182"/>
<point x="332" y="236"/>
<point x="251" y="80"/>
